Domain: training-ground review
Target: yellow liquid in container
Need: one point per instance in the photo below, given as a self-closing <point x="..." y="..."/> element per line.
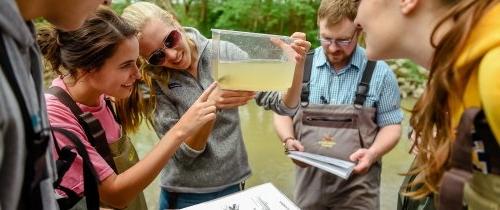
<point x="256" y="75"/>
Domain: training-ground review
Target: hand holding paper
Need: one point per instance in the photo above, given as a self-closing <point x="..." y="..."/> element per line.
<point x="365" y="159"/>
<point x="294" y="145"/>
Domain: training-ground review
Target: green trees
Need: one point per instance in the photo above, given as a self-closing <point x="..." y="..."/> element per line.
<point x="272" y="17"/>
<point x="263" y="16"/>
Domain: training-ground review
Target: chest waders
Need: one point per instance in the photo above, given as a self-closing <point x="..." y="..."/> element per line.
<point x="120" y="155"/>
<point x="336" y="131"/>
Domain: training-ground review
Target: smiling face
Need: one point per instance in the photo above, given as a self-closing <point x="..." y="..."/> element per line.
<point x="158" y="37"/>
<point x="119" y="73"/>
<point x="338" y="55"/>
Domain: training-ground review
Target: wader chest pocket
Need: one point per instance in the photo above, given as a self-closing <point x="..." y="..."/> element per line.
<point x="336" y="121"/>
<point x="333" y="135"/>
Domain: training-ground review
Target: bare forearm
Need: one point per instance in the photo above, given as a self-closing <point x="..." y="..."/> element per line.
<point x="199" y="139"/>
<point x="385" y="140"/>
<point x="119" y="190"/>
<point x="283" y="126"/>
<point x="292" y="96"/>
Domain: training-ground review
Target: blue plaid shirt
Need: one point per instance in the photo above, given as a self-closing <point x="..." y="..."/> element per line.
<point x="329" y="87"/>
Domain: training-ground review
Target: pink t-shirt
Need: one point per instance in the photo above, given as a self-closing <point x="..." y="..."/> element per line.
<point x="61" y="116"/>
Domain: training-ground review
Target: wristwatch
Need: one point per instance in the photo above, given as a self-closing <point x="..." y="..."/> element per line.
<point x="285" y="141"/>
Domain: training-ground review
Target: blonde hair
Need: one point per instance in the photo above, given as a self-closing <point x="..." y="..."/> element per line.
<point x="138" y="15"/>
<point x="336" y="10"/>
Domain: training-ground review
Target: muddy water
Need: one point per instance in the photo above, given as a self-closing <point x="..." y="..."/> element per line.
<point x="269" y="164"/>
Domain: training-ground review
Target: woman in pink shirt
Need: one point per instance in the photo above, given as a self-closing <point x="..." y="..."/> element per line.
<point x="94" y="62"/>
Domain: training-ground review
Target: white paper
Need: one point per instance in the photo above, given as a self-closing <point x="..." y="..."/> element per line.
<point x="262" y="197"/>
<point x="335" y="166"/>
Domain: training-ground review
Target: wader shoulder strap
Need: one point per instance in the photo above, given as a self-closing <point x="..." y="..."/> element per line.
<point x="304" y="96"/>
<point x="91" y="125"/>
<point x="361" y="91"/>
<point x="364" y="85"/>
<point x="473" y="129"/>
<point x="452" y="184"/>
<point x="36" y="141"/>
<point x="90" y="180"/>
<point x="112" y="107"/>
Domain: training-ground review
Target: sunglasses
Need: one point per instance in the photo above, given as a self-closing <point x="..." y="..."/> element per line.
<point x="170" y="41"/>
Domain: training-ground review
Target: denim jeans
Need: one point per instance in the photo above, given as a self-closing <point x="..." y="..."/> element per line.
<point x="183" y="200"/>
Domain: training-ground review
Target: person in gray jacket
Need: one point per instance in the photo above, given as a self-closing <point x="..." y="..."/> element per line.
<point x="26" y="168"/>
<point x="212" y="163"/>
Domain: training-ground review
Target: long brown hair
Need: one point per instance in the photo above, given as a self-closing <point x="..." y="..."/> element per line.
<point x="86" y="49"/>
<point x="431" y="116"/>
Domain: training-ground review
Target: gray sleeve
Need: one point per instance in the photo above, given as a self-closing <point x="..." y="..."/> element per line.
<point x="274" y="101"/>
<point x="2" y="137"/>
<point x="166" y="116"/>
<point x="4" y="115"/>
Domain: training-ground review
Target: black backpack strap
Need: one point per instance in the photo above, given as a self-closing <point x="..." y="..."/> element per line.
<point x="472" y="130"/>
<point x="91" y="125"/>
<point x="36" y="141"/>
<point x="90" y="179"/>
<point x="364" y="85"/>
<point x="304" y="96"/>
<point x="63" y="163"/>
<point x="70" y="201"/>
<point x="485" y="137"/>
<point x="66" y="99"/>
<point x="56" y="145"/>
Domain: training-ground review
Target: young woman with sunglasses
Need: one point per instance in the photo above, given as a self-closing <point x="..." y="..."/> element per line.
<point x="212" y="163"/>
<point x="459" y="42"/>
<point x="98" y="61"/>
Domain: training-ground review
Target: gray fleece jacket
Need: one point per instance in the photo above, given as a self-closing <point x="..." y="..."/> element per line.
<point x="24" y="57"/>
<point x="223" y="162"/>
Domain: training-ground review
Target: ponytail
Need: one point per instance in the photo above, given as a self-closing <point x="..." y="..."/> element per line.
<point x="47" y="38"/>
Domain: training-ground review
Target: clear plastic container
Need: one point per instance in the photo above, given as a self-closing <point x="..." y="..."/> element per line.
<point x="250" y="61"/>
